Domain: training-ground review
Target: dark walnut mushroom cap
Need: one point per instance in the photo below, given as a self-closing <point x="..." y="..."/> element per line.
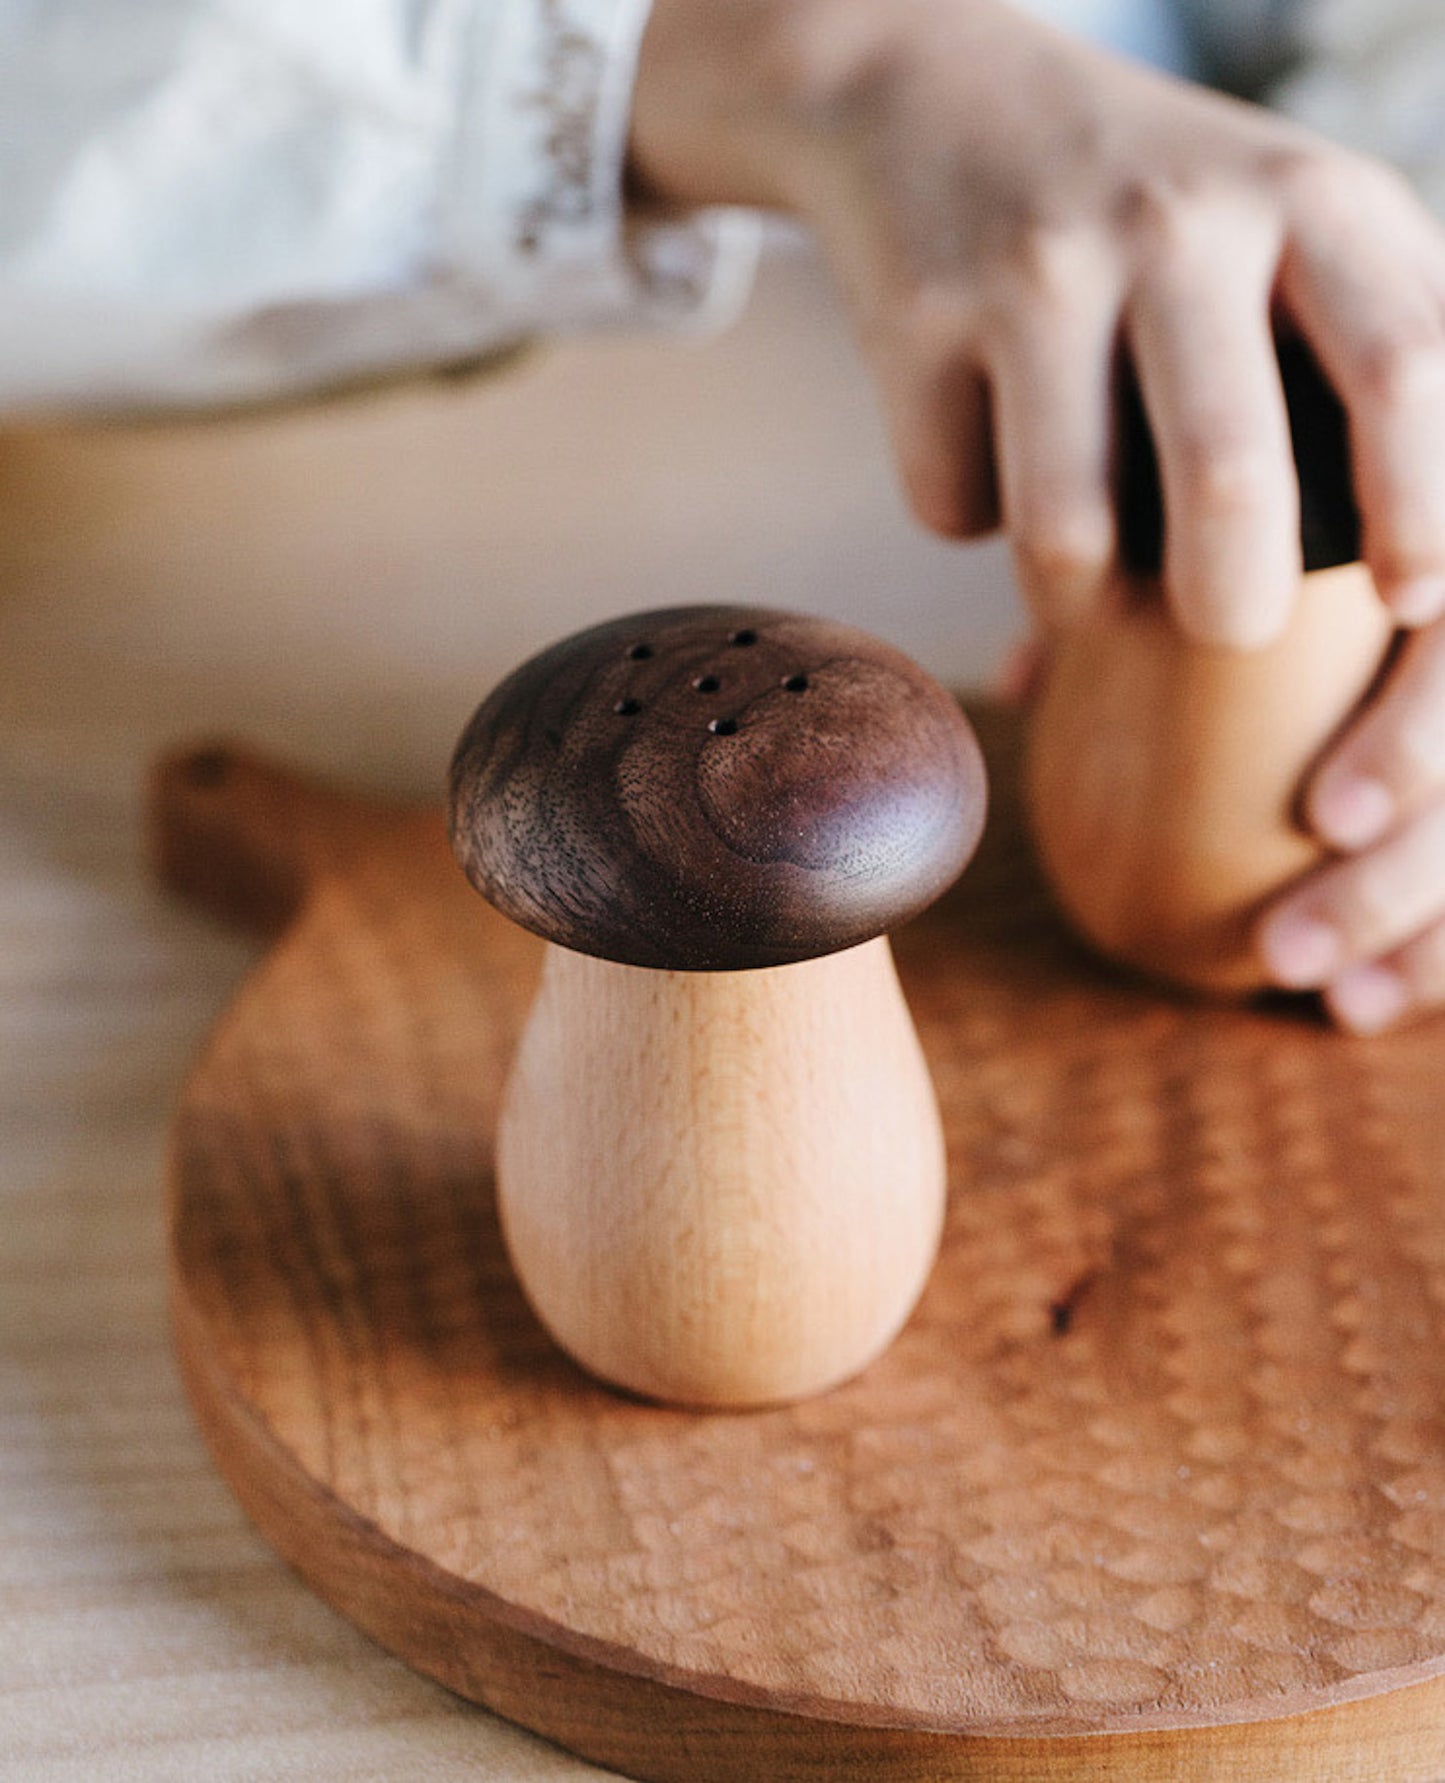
<point x="716" y="788"/>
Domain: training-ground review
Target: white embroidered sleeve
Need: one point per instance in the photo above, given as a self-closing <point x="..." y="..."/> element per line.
<point x="208" y="201"/>
<point x="539" y="199"/>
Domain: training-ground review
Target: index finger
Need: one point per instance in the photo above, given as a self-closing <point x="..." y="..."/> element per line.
<point x="1199" y="328"/>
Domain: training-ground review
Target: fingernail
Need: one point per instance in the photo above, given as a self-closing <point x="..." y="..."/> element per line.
<point x="1301" y="951"/>
<point x="1419" y="601"/>
<point x="1368" y="998"/>
<point x="1353" y="810"/>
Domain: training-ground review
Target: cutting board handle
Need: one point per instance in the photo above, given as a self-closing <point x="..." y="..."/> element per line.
<point x="243" y="838"/>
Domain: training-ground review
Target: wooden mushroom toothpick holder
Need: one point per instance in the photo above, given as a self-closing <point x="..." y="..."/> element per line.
<point x="720" y="1163"/>
<point x="1165" y="776"/>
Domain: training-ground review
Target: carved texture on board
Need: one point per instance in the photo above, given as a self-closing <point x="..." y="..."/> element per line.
<point x="1164" y="1445"/>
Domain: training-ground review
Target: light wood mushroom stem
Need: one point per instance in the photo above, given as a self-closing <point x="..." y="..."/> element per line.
<point x="722" y="1188"/>
<point x="1165" y="777"/>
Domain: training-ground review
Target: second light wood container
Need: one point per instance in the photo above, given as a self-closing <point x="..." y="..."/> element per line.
<point x="1166" y="778"/>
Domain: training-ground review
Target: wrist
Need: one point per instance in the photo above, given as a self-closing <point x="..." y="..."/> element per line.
<point x="733" y="96"/>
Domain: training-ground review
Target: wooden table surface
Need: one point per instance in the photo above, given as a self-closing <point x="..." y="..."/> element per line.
<point x="338" y="587"/>
<point x="145" y="1631"/>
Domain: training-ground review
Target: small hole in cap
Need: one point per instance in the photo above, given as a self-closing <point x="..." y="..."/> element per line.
<point x="627" y="708"/>
<point x="208" y="767"/>
<point x="640" y="652"/>
<point x="743" y="638"/>
<point x="723" y="727"/>
<point x="796" y="684"/>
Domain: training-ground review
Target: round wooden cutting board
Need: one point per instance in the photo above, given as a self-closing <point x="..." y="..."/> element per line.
<point x="1152" y="1486"/>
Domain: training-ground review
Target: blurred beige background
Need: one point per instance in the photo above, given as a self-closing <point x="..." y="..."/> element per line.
<point x="339" y="585"/>
<point x="344" y="581"/>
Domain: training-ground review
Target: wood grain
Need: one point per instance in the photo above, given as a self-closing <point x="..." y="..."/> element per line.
<point x="1150" y="1488"/>
<point x="721" y="1188"/>
<point x="716" y="788"/>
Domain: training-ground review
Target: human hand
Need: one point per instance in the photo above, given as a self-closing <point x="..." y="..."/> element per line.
<point x="1008" y="213"/>
<point x="1005" y="209"/>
